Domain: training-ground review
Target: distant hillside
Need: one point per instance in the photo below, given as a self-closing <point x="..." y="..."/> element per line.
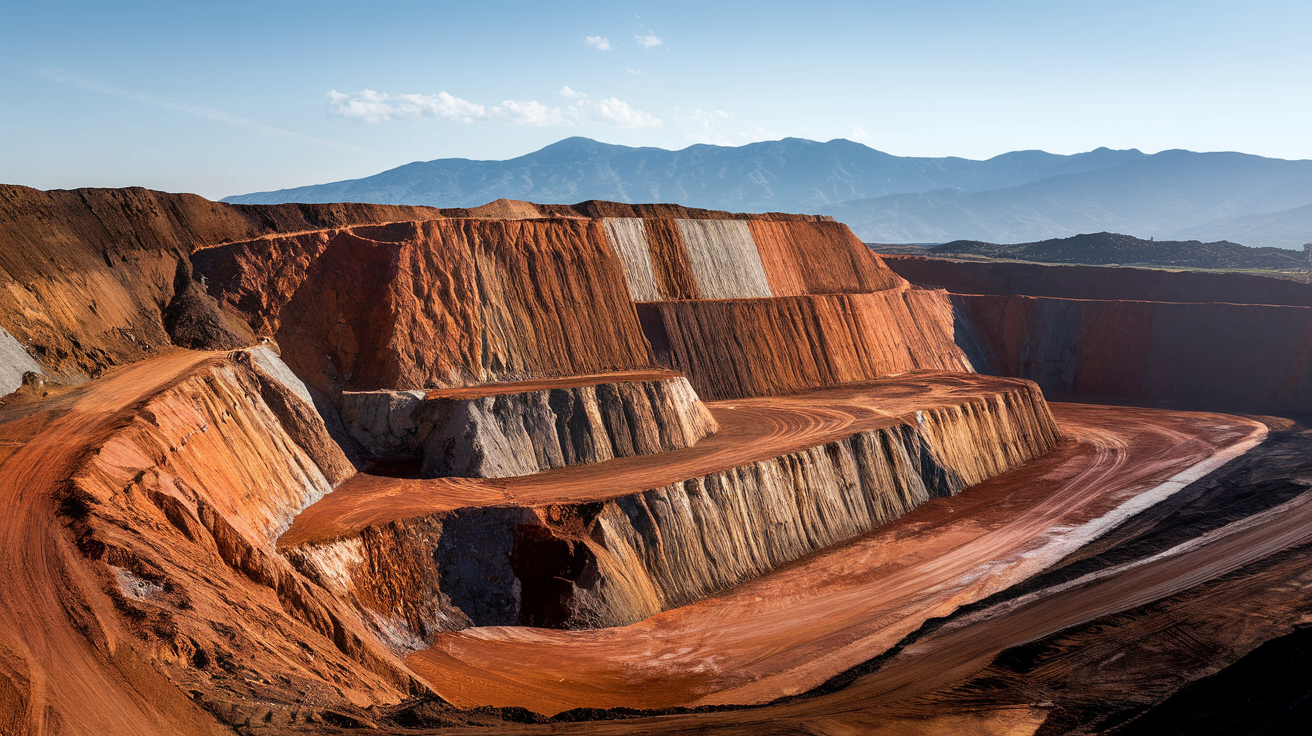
<point x="793" y="175"/>
<point x="1100" y="249"/>
<point x="1163" y="195"/>
<point x="1285" y="229"/>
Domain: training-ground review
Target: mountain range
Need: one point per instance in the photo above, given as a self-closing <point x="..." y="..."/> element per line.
<point x="1020" y="196"/>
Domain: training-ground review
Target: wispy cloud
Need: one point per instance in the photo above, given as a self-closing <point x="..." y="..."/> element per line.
<point x="860" y="136"/>
<point x="636" y="72"/>
<point x="90" y="85"/>
<point x="570" y="94"/>
<point x="707" y="126"/>
<point x="381" y="107"/>
<point x="649" y="41"/>
<point x="598" y="42"/>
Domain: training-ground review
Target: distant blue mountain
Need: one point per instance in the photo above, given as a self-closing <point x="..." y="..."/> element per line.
<point x="1021" y="196"/>
<point x="792" y="174"/>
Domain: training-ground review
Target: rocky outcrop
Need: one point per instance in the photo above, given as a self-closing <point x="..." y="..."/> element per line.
<point x="512" y="433"/>
<point x="614" y="561"/>
<point x="1245" y="356"/>
<point x="764" y="347"/>
<point x="1099" y="282"/>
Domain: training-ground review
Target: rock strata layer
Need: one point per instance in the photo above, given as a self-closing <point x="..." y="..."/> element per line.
<point x="525" y="432"/>
<point x="612" y="561"/>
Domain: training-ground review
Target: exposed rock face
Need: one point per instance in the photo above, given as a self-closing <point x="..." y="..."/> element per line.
<point x="615" y="561"/>
<point x="184" y="502"/>
<point x="1098" y="282"/>
<point x="1220" y="354"/>
<point x="525" y="432"/>
<point x="14" y="362"/>
<point x="438" y="303"/>
<point x="85" y="274"/>
<point x="763" y="347"/>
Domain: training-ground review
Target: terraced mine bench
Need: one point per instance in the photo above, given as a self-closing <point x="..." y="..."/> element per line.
<point x="613" y="542"/>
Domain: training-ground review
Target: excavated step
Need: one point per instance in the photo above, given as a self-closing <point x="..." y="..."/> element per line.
<point x="511" y="429"/>
<point x="613" y="543"/>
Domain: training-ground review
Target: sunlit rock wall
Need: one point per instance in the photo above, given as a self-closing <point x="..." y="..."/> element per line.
<point x="526" y="432"/>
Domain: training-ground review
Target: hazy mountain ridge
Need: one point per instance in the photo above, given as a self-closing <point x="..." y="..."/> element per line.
<point x="1022" y="196"/>
<point x="790" y="174"/>
<point x="1102" y="249"/>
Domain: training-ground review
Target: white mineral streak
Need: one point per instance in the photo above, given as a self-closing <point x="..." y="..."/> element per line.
<point x="14" y="362"/>
<point x="724" y="259"/>
<point x="628" y="238"/>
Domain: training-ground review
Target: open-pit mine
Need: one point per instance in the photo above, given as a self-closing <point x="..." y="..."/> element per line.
<point x="611" y="468"/>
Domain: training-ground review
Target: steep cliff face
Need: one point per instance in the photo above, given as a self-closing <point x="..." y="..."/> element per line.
<point x="1240" y="355"/>
<point x="512" y="433"/>
<point x="438" y="303"/>
<point x="181" y="504"/>
<point x="1098" y="282"/>
<point x="612" y="561"/>
<point x="86" y="274"/>
<point x="764" y="347"/>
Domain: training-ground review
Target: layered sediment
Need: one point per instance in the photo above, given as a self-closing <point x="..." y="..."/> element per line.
<point x="510" y="433"/>
<point x="607" y="560"/>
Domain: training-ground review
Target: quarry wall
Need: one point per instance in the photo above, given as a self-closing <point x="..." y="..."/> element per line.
<point x="1244" y="356"/>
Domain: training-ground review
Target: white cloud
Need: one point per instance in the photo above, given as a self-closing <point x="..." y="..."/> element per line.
<point x="649" y="41"/>
<point x="860" y="136"/>
<point x="602" y="44"/>
<point x="636" y="72"/>
<point x="570" y="94"/>
<point x="381" y="107"/>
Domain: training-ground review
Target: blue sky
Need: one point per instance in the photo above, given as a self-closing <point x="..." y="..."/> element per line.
<point x="225" y="98"/>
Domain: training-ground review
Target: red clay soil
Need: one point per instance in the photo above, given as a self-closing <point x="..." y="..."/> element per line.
<point x="792" y="630"/>
<point x="1098" y="282"/>
<point x="66" y="663"/>
<point x="750" y="430"/>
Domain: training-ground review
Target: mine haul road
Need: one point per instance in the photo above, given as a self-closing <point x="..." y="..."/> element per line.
<point x="64" y="664"/>
<point x="62" y="651"/>
<point x="791" y="630"/>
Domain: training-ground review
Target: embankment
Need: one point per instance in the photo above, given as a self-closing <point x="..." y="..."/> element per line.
<point x="179" y="507"/>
